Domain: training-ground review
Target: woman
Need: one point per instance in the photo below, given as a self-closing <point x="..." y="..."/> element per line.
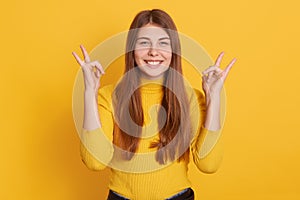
<point x="148" y="149"/>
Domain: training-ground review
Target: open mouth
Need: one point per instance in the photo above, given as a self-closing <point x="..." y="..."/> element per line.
<point x="153" y="62"/>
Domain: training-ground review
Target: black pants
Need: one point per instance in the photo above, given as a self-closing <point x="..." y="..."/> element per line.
<point x="188" y="195"/>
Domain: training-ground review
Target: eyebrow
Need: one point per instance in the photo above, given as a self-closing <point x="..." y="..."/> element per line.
<point x="163" y="38"/>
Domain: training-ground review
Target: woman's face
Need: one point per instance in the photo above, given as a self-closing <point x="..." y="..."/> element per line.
<point x="153" y="52"/>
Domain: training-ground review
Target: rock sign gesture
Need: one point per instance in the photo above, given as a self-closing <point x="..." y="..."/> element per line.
<point x="213" y="78"/>
<point x="92" y="70"/>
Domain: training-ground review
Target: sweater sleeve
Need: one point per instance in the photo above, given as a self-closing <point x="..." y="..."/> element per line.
<point x="96" y="148"/>
<point x="206" y="146"/>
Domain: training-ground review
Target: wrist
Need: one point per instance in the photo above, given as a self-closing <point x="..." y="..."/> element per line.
<point x="213" y="99"/>
<point x="90" y="93"/>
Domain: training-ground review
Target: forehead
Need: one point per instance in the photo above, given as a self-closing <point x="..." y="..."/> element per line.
<point x="153" y="32"/>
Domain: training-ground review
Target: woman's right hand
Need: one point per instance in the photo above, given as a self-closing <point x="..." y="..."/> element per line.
<point x="92" y="70"/>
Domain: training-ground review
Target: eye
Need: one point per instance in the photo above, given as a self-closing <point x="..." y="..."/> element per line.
<point x="164" y="43"/>
<point x="144" y="43"/>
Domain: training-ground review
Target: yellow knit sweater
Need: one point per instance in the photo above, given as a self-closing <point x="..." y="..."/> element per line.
<point x="142" y="178"/>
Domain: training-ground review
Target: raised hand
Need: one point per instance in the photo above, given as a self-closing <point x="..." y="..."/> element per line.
<point x="213" y="77"/>
<point x="92" y="70"/>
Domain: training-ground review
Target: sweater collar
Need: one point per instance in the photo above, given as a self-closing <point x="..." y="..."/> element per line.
<point x="151" y="84"/>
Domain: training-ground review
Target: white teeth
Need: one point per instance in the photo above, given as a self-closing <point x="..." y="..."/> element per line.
<point x="153" y="62"/>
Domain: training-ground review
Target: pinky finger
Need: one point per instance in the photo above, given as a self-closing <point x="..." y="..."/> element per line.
<point x="227" y="69"/>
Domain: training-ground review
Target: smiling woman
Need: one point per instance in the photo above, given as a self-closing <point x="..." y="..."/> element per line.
<point x="148" y="149"/>
<point x="153" y="52"/>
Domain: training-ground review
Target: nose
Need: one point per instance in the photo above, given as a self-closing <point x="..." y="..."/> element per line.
<point x="152" y="52"/>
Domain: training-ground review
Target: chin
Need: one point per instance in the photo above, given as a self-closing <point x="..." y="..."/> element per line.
<point x="152" y="73"/>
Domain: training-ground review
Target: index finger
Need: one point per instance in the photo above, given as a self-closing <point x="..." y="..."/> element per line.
<point x="219" y="59"/>
<point x="78" y="59"/>
<point x="85" y="54"/>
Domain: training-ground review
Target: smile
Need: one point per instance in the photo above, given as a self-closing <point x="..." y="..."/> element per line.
<point x="153" y="62"/>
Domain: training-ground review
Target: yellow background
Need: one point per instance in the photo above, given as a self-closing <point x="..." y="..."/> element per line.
<point x="39" y="144"/>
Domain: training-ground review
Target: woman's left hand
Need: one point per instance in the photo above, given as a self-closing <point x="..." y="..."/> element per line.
<point x="213" y="78"/>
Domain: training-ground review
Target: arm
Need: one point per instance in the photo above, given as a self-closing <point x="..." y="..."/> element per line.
<point x="96" y="138"/>
<point x="96" y="146"/>
<point x="207" y="147"/>
<point x="91" y="118"/>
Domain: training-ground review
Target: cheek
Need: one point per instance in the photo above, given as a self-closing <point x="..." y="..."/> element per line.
<point x="168" y="56"/>
<point x="137" y="57"/>
<point x="139" y="54"/>
<point x="166" y="53"/>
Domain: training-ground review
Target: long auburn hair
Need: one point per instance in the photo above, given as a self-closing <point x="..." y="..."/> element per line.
<point x="175" y="136"/>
